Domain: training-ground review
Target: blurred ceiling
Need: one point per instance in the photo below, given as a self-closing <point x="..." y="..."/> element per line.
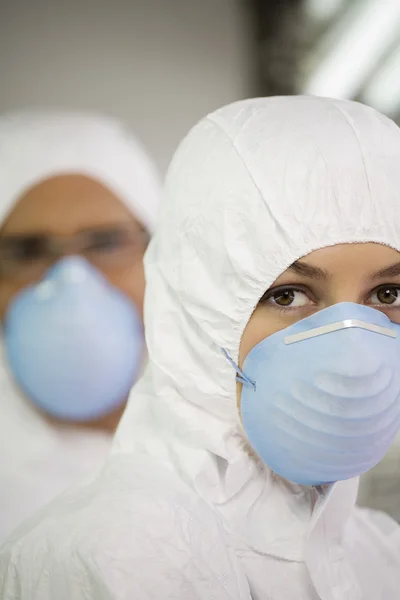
<point x="352" y="50"/>
<point x="278" y="27"/>
<point x="340" y="48"/>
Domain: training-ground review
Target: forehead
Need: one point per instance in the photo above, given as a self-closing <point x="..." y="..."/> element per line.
<point x="65" y="204"/>
<point x="370" y="254"/>
<point x="347" y="261"/>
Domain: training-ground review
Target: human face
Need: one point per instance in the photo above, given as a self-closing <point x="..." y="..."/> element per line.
<point x="81" y="216"/>
<point x="366" y="274"/>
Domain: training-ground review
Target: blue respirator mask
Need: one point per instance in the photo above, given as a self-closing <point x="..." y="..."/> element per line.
<point x="321" y="399"/>
<point x="74" y="342"/>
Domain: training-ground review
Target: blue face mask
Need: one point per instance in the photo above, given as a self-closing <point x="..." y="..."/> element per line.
<point x="321" y="399"/>
<point x="74" y="342"/>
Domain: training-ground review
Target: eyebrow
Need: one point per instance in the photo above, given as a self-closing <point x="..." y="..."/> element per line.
<point x="392" y="271"/>
<point x="305" y="270"/>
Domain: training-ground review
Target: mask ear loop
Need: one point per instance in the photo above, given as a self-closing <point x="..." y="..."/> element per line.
<point x="240" y="377"/>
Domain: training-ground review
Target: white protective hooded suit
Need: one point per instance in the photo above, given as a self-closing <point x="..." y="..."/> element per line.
<point x="181" y="511"/>
<point x="38" y="460"/>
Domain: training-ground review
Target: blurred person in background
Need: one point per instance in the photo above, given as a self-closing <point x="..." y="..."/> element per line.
<point x="272" y="320"/>
<point x="78" y="204"/>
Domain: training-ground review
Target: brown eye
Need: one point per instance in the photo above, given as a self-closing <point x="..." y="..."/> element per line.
<point x="24" y="249"/>
<point x="107" y="240"/>
<point x="387" y="295"/>
<point x="284" y="298"/>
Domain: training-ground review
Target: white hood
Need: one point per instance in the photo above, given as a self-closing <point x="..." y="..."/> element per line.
<point x="181" y="509"/>
<point x="253" y="187"/>
<point x="38" y="144"/>
<point x="39" y="460"/>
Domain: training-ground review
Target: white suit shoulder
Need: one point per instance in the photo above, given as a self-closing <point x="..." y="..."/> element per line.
<point x="163" y="541"/>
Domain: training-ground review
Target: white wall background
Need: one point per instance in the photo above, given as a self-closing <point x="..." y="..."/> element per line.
<point x="158" y="64"/>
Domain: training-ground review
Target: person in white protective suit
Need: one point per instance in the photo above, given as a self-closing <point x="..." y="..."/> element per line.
<point x="272" y="324"/>
<point x="78" y="203"/>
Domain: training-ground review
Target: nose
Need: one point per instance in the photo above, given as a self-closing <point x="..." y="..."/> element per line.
<point x="346" y="292"/>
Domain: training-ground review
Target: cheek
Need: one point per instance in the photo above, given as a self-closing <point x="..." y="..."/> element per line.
<point x="238" y="394"/>
<point x="132" y="283"/>
<point x="261" y="325"/>
<point x="8" y="291"/>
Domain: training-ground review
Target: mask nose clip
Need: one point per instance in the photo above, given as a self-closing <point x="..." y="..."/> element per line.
<point x="240" y="377"/>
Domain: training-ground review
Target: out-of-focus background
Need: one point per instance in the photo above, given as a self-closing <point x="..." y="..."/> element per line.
<point x="161" y="65"/>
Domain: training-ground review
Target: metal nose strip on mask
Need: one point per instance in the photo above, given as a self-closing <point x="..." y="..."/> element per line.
<point x="346" y="324"/>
